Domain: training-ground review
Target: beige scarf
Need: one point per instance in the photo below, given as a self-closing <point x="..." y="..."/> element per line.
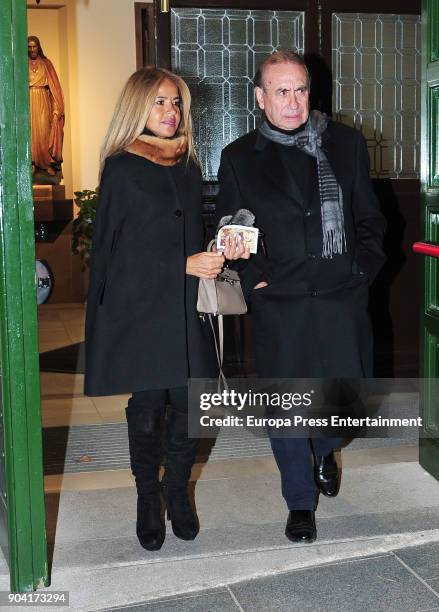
<point x="163" y="151"/>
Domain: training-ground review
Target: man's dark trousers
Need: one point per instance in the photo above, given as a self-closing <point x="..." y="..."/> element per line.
<point x="294" y="458"/>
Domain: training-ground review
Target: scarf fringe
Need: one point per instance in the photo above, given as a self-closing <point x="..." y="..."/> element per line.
<point x="334" y="243"/>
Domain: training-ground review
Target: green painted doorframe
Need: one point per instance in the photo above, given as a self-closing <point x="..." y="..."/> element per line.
<point x="22" y="513"/>
<point x="429" y="444"/>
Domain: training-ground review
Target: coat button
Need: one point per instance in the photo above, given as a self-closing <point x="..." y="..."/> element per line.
<point x="307" y="213"/>
<point x="313" y="293"/>
<point x="178" y="212"/>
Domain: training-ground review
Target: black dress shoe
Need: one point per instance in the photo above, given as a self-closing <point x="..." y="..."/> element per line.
<point x="301" y="526"/>
<point x="327" y="474"/>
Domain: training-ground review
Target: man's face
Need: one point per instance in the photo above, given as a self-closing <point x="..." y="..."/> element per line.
<point x="284" y="96"/>
<point x="32" y="49"/>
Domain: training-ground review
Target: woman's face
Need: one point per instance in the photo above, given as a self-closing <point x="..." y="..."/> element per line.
<point x="165" y="115"/>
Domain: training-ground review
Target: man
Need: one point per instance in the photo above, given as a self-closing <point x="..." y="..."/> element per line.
<point x="46" y="111"/>
<point x="306" y="180"/>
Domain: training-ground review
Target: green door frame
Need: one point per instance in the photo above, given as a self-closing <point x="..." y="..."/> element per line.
<point x="429" y="442"/>
<point x="22" y="512"/>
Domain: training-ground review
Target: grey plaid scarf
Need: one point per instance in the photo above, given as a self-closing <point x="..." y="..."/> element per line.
<point x="309" y="140"/>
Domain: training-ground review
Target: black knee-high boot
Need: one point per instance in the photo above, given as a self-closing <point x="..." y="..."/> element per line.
<point x="144" y="436"/>
<point x="180" y="457"/>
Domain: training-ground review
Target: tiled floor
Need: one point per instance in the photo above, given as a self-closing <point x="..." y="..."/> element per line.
<point x="63" y="401"/>
<point x="399" y="581"/>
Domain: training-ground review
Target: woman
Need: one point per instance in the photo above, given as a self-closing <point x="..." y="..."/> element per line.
<point x="143" y="333"/>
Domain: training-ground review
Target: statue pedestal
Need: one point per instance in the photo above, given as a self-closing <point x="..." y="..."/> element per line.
<point x="50" y="203"/>
<point x="46" y="193"/>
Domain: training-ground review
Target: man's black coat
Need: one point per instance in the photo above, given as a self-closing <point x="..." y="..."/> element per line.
<point x="311" y="320"/>
<point x="142" y="327"/>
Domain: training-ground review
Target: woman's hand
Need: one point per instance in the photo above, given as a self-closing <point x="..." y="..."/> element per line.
<point x="205" y="264"/>
<point x="261" y="285"/>
<point x="234" y="248"/>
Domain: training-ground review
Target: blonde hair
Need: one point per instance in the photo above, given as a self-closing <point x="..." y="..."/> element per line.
<point x="134" y="107"/>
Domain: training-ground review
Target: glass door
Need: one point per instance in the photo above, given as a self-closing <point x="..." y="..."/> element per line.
<point x="217" y="50"/>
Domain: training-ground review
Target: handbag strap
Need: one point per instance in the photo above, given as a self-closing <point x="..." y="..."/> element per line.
<point x="219" y="343"/>
<point x="219" y="349"/>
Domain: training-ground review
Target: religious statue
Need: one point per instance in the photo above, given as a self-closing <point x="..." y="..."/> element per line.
<point x="46" y="115"/>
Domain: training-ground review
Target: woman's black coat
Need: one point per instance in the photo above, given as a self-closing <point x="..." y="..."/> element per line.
<point x="142" y="327"/>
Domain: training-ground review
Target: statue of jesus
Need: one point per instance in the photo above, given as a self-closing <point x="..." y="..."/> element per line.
<point x="46" y="112"/>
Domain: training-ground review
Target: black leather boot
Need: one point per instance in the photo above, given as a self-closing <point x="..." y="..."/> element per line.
<point x="180" y="457"/>
<point x="144" y="436"/>
<point x="150" y="527"/>
<point x="179" y="511"/>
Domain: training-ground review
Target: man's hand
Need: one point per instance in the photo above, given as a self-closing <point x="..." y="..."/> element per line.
<point x="261" y="285"/>
<point x="235" y="248"/>
<point x="205" y="264"/>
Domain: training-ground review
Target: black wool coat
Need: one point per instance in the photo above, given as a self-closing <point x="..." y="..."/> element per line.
<point x="312" y="319"/>
<point x="142" y="328"/>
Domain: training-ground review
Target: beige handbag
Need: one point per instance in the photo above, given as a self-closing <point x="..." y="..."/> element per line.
<point x="222" y="295"/>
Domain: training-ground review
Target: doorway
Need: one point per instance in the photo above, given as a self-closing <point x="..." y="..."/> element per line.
<point x="365" y="63"/>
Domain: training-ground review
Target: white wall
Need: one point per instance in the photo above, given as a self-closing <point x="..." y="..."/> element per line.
<point x="106" y="56"/>
<point x="98" y="48"/>
<point x="45" y="24"/>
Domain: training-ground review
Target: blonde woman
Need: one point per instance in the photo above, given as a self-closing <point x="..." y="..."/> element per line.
<point x="143" y="334"/>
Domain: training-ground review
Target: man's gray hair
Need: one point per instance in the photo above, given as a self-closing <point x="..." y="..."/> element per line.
<point x="279" y="57"/>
